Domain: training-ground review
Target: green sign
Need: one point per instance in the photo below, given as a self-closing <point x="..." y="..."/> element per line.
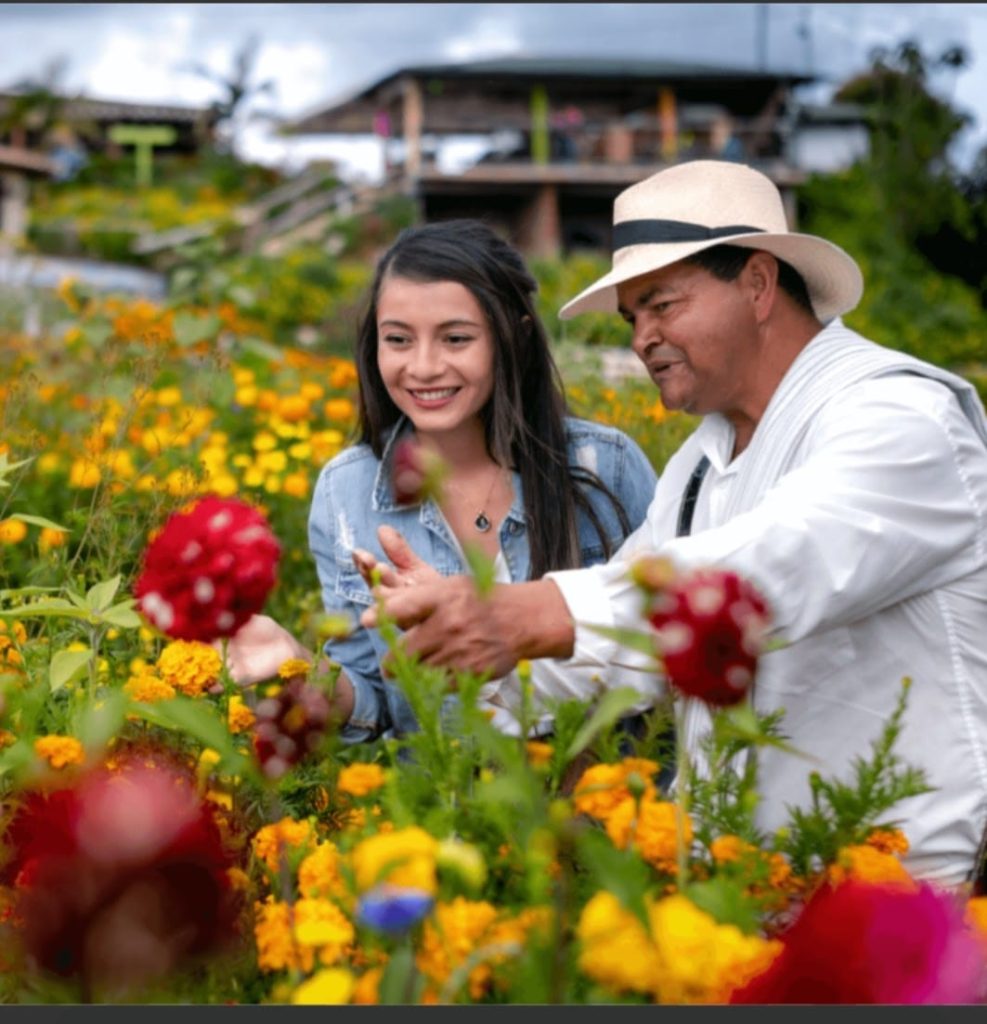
<point x="143" y="137"/>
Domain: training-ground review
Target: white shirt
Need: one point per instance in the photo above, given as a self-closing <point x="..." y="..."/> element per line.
<point x="871" y="548"/>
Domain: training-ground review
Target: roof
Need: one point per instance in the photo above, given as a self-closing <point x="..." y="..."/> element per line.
<point x="20" y="159"/>
<point x="568" y="71"/>
<point x="88" y="108"/>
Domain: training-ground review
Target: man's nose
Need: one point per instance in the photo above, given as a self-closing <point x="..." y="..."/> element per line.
<point x="643" y="338"/>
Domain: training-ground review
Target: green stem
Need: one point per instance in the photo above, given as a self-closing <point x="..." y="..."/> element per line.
<point x="682" y="782"/>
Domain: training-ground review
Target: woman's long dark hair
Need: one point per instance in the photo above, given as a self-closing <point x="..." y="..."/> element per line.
<point x="524" y="419"/>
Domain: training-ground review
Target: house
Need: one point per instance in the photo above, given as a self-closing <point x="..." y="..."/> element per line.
<point x="825" y="138"/>
<point x="18" y="166"/>
<point x="91" y="122"/>
<point x="561" y="136"/>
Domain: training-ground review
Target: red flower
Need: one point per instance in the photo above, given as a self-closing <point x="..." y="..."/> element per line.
<point x="120" y="878"/>
<point x="289" y="725"/>
<point x="208" y="570"/>
<point x="416" y="472"/>
<point x="863" y="943"/>
<point x="710" y="626"/>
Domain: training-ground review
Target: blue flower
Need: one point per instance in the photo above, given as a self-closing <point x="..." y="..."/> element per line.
<point x="393" y="908"/>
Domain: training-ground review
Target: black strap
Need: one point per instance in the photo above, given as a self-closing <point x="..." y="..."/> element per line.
<point x="691" y="493"/>
<point x="646" y="232"/>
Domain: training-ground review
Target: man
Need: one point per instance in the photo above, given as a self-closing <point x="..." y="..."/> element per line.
<point x="847" y="481"/>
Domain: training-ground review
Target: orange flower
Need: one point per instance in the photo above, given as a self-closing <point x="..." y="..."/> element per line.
<point x="59" y="751"/>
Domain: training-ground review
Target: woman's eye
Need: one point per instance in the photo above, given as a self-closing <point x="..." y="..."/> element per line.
<point x="395" y="339"/>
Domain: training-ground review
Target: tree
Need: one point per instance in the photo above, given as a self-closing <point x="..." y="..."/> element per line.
<point x="238" y="91"/>
<point x="34" y="108"/>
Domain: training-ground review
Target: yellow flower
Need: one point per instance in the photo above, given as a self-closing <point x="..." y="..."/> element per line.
<point x="332" y="986"/>
<point x="650" y="828"/>
<point x="976" y="916"/>
<point x="319" y="873"/>
<point x="239" y="717"/>
<point x="539" y="753"/>
<point x="167" y="397"/>
<point x="448" y="940"/>
<point x="867" y="864"/>
<point x="320" y="923"/>
<point x="147" y="688"/>
<point x="339" y="410"/>
<point x="888" y="840"/>
<point x="286" y="835"/>
<point x="59" y="751"/>
<point x="293" y="667"/>
<point x="190" y="666"/>
<point x="366" y="992"/>
<point x="293" y="408"/>
<point x="51" y="538"/>
<point x="616" y="949"/>
<point x="603" y="787"/>
<point x="265" y="442"/>
<point x="12" y="531"/>
<point x="84" y="474"/>
<point x="361" y="779"/>
<point x="296" y="485"/>
<point x="402" y="857"/>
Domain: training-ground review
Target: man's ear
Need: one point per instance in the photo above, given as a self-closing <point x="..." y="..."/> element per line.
<point x="760" y="277"/>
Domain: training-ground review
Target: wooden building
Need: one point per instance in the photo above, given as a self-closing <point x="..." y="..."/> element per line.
<point x="566" y="135"/>
<point x="18" y="166"/>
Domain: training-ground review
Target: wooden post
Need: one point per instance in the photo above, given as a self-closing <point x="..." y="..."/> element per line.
<point x="143" y="137"/>
<point x="668" y="119"/>
<point x="539" y="125"/>
<point x="414" y="119"/>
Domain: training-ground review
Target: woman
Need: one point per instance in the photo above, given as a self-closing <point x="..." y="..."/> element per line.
<point x="451" y="352"/>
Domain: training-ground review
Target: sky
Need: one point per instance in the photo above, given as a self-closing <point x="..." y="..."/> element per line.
<point x="315" y="54"/>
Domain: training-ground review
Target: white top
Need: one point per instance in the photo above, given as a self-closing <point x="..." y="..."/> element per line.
<point x="870" y="544"/>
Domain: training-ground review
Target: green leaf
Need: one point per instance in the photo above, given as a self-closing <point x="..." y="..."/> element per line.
<point x="199" y="720"/>
<point x="611" y="707"/>
<point x="122" y="615"/>
<point x="621" y="872"/>
<point x="39" y="521"/>
<point x="45" y="609"/>
<point x="397" y="983"/>
<point x="99" y="596"/>
<point x="102" y="720"/>
<point x="97" y="333"/>
<point x="481" y="567"/>
<point x="636" y="639"/>
<point x="740" y="723"/>
<point x="261" y="348"/>
<point x="66" y="666"/>
<point x="191" y="329"/>
<point x="8" y="467"/>
<point x="726" y="902"/>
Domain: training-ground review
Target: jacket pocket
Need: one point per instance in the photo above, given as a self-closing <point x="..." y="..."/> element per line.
<point x="350" y="585"/>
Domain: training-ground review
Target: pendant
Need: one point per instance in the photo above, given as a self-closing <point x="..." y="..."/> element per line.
<point x="481" y="522"/>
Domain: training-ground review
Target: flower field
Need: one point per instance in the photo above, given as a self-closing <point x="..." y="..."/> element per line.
<point x="167" y="838"/>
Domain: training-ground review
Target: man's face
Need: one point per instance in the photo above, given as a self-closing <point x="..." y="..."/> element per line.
<point x="695" y="334"/>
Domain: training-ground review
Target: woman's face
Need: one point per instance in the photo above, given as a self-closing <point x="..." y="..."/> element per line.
<point x="435" y="352"/>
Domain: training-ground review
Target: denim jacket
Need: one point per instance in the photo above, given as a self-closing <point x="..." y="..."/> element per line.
<point x="353" y="497"/>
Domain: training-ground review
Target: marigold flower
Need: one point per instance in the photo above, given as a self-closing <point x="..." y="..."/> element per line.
<point x="865" y="863"/>
<point x="319" y="873"/>
<point x="710" y="626"/>
<point x="403" y="857"/>
<point x="539" y="753"/>
<point x="271" y="842"/>
<point x="889" y="840"/>
<point x="190" y="666"/>
<point x="616" y="949"/>
<point x="208" y="570"/>
<point x="447" y="941"/>
<point x="294" y="667"/>
<point x="360" y="779"/>
<point x="603" y="787"/>
<point x="12" y="531"/>
<point x="650" y="826"/>
<point x="145" y="687"/>
<point x="332" y="986"/>
<point x="60" y="751"/>
<point x="367" y="989"/>
<point x="50" y="538"/>
<point x="239" y="717"/>
<point x="339" y="410"/>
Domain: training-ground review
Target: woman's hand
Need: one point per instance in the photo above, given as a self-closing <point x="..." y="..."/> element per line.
<point x="406" y="570"/>
<point x="258" y="649"/>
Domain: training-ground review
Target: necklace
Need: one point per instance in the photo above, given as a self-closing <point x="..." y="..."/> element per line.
<point x="481" y="521"/>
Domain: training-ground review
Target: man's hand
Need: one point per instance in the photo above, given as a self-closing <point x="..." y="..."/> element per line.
<point x="448" y="623"/>
<point x="407" y="569"/>
<point x="258" y="649"/>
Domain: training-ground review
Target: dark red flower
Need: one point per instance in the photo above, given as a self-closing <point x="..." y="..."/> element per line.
<point x="864" y="943"/>
<point x="120" y="878"/>
<point x="416" y="472"/>
<point x="711" y="625"/>
<point x="289" y="725"/>
<point x="208" y="570"/>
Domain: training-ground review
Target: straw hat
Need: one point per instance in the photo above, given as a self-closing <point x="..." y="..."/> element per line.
<point x="695" y="205"/>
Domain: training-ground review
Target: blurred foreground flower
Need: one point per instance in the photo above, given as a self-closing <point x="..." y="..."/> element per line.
<point x="289" y="725"/>
<point x="711" y="627"/>
<point x="393" y="908"/>
<point x="416" y="473"/>
<point x="208" y="570"/>
<point x="119" y="879"/>
<point x="862" y="943"/>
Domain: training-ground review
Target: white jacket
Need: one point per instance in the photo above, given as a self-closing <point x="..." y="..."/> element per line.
<point x="860" y="510"/>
